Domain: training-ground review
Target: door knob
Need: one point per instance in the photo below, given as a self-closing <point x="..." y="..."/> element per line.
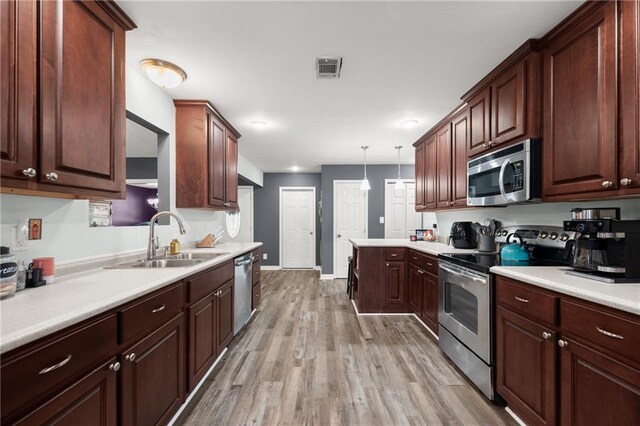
<point x="623" y="181"/>
<point x="339" y="236"/>
<point x="607" y="184"/>
<point x="51" y="176"/>
<point x="311" y="233"/>
<point x="30" y="172"/>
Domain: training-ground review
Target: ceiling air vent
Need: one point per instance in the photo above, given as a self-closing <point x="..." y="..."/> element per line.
<point x="327" y="67"/>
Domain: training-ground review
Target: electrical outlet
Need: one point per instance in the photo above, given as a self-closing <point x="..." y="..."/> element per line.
<point x="19" y="237"/>
<point x="264" y="256"/>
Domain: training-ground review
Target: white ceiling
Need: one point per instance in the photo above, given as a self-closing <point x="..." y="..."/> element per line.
<point x="402" y="60"/>
<point x="141" y="142"/>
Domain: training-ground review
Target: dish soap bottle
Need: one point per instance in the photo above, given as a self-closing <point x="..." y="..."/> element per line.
<point x="174" y="246"/>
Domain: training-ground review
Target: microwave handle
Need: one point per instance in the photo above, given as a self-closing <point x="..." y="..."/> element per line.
<point x="501" y="179"/>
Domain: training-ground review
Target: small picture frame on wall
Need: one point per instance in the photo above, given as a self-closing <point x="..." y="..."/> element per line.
<point x="35" y="229"/>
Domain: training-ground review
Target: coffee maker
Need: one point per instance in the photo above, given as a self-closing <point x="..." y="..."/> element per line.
<point x="608" y="248"/>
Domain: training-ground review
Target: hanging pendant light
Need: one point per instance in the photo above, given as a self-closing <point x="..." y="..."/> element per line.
<point x="399" y="182"/>
<point x="364" y="186"/>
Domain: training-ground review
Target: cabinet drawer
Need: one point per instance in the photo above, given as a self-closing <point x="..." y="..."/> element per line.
<point x="524" y="299"/>
<point x="205" y="283"/>
<point x="28" y="377"/>
<point x="612" y="332"/>
<point x="430" y="265"/>
<point x="417" y="258"/>
<point x="256" y="295"/>
<point x="151" y="312"/>
<point x="395" y="253"/>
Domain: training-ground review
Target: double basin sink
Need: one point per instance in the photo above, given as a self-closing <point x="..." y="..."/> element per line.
<point x="171" y="261"/>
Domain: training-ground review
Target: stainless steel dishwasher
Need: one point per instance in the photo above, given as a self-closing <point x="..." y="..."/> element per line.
<point x="242" y="291"/>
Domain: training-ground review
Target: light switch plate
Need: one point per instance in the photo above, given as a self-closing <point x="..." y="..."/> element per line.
<point x="381" y="219"/>
<point x="264" y="256"/>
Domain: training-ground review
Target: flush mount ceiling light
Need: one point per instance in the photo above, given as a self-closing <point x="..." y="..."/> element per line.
<point x="163" y="73"/>
<point x="258" y="124"/>
<point x="364" y="186"/>
<point x="399" y="182"/>
<point x="408" y="124"/>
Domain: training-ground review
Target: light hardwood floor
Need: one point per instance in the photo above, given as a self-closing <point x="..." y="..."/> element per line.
<point x="306" y="358"/>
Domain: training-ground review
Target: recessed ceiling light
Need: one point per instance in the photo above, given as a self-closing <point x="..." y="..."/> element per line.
<point x="163" y="73"/>
<point x="295" y="168"/>
<point x="408" y="124"/>
<point x="258" y="124"/>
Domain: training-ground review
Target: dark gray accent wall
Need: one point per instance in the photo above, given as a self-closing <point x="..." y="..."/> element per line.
<point x="376" y="174"/>
<point x="266" y="202"/>
<point x="142" y="168"/>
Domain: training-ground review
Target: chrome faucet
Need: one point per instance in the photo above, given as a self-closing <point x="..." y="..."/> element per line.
<point x="151" y="248"/>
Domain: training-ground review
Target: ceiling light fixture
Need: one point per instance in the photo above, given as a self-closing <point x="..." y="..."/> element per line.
<point x="295" y="169"/>
<point x="163" y="73"/>
<point x="258" y="124"/>
<point x="399" y="182"/>
<point x="364" y="186"/>
<point x="409" y="124"/>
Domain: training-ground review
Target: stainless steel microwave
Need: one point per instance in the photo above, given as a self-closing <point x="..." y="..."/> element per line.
<point x="508" y="176"/>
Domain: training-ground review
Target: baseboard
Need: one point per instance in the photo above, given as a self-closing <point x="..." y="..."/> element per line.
<point x="426" y="327"/>
<point x="318" y="268"/>
<point x="270" y="268"/>
<point x="326" y="276"/>
<point x="515" y="417"/>
<point x="376" y="314"/>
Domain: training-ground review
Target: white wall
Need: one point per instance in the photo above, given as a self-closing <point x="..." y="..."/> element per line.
<point x="530" y="214"/>
<point x="66" y="233"/>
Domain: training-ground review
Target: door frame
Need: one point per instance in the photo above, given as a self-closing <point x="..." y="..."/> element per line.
<point x="250" y="187"/>
<point x="384" y="195"/>
<point x="315" y="214"/>
<point x="366" y="215"/>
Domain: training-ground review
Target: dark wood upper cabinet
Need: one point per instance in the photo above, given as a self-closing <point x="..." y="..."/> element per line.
<point x="420" y="176"/>
<point x="443" y="167"/>
<point x="508" y="105"/>
<point x="18" y="79"/>
<point x="630" y="98"/>
<point x="479" y="122"/>
<point x="206" y="157"/>
<point x="459" y="143"/>
<point x="580" y="152"/>
<point x="430" y="174"/>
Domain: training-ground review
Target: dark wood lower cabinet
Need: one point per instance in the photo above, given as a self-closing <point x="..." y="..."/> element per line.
<point x="153" y="376"/>
<point x="429" y="314"/>
<point x="395" y="287"/>
<point x="203" y="339"/>
<point x="415" y="288"/>
<point x="596" y="389"/>
<point x="526" y="367"/>
<point x="91" y="400"/>
<point x="225" y="315"/>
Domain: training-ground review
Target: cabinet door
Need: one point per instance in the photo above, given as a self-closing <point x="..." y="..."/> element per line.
<point x="17" y="88"/>
<point x="216" y="163"/>
<point x="203" y="339"/>
<point x="430" y="301"/>
<point x="430" y="162"/>
<point x="415" y="289"/>
<point x="630" y="98"/>
<point x="479" y="122"/>
<point x="82" y="96"/>
<point x="231" y="171"/>
<point x="580" y="147"/>
<point x="395" y="287"/>
<point x="595" y="389"/>
<point x="225" y="315"/>
<point x="153" y="376"/>
<point x="460" y="135"/>
<point x="526" y="364"/>
<point x="508" y="105"/>
<point x="420" y="176"/>
<point x="91" y="400"/>
<point x="443" y="166"/>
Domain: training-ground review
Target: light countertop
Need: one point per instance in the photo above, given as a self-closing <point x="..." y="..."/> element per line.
<point x="432" y="248"/>
<point x="38" y="312"/>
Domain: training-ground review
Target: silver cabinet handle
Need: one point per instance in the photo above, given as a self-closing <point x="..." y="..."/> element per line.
<point x="51" y="176"/>
<point x="56" y="366"/>
<point x="158" y="309"/>
<point x="623" y="181"/>
<point x="30" y="172"/>
<point x="131" y="357"/>
<point x="607" y="184"/>
<point x="393" y="255"/>
<point x="609" y="334"/>
<point x="545" y="335"/>
<point x="563" y="343"/>
<point x="114" y="366"/>
<point x="520" y="299"/>
<point x="415" y="258"/>
<point x="420" y="271"/>
<point x="430" y="264"/>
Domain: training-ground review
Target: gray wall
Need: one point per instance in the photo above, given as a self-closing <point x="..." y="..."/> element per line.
<point x="267" y="211"/>
<point x="376" y="174"/>
<point x="142" y="168"/>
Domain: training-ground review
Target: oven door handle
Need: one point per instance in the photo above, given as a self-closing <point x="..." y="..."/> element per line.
<point x="503" y="168"/>
<point x="460" y="274"/>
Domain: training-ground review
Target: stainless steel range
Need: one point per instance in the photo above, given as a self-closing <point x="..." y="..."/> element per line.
<point x="466" y="306"/>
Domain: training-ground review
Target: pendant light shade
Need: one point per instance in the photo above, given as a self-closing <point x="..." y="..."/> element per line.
<point x="399" y="182"/>
<point x="364" y="186"/>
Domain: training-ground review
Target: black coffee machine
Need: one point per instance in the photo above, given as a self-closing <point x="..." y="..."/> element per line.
<point x="463" y="235"/>
<point x="608" y="248"/>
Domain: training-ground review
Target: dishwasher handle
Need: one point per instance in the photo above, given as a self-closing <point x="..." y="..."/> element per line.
<point x="242" y="262"/>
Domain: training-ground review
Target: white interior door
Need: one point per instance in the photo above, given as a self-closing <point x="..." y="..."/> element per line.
<point x="350" y="221"/>
<point x="401" y="219"/>
<point x="245" y="204"/>
<point x="297" y="227"/>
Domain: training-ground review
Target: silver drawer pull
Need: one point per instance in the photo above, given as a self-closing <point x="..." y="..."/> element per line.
<point x="430" y="264"/>
<point x="56" y="366"/>
<point x="415" y="258"/>
<point x="420" y="271"/>
<point x="393" y="255"/>
<point x="520" y="299"/>
<point x="609" y="334"/>
<point x="158" y="309"/>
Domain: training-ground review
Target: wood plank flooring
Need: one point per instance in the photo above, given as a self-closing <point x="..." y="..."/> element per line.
<point x="307" y="358"/>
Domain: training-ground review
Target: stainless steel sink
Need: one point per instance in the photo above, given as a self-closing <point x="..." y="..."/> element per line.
<point x="202" y="256"/>
<point x="167" y="263"/>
